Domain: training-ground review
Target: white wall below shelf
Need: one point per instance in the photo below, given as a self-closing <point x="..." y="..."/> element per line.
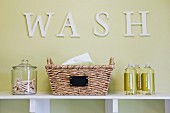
<point x="40" y="102"/>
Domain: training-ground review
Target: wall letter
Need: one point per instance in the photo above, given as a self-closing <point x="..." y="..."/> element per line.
<point x="104" y="25"/>
<point x="69" y="23"/>
<point x="143" y="24"/>
<point x="38" y="21"/>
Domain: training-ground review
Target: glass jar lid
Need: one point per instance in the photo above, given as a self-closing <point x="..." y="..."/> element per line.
<point x="24" y="64"/>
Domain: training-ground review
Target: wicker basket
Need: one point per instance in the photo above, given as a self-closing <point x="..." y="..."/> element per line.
<point x="79" y="79"/>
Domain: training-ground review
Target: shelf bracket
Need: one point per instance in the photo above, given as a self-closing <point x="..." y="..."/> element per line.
<point x="39" y="105"/>
<point x="167" y="106"/>
<point x="111" y="106"/>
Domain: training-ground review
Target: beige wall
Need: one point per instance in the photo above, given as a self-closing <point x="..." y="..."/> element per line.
<point x="16" y="45"/>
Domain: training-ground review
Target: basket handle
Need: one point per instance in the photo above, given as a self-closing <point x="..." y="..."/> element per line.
<point x="111" y="61"/>
<point x="49" y="61"/>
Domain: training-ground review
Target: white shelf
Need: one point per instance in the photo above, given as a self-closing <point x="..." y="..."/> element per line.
<point x="49" y="96"/>
<point x="40" y="102"/>
<point x="156" y="96"/>
<point x="5" y="95"/>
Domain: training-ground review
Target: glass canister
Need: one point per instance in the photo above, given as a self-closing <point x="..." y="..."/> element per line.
<point x="148" y="80"/>
<point x="24" y="79"/>
<point x="130" y="80"/>
<point x="138" y="75"/>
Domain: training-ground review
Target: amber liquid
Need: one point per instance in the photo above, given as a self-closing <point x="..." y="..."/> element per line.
<point x="130" y="81"/>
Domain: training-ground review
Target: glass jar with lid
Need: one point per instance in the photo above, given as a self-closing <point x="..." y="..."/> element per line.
<point x="24" y="79"/>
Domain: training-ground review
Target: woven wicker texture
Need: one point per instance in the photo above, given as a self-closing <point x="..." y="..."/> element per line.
<point x="99" y="77"/>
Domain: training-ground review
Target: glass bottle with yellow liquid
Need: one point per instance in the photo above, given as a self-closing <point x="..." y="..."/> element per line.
<point x="148" y="80"/>
<point x="130" y="81"/>
<point x="138" y="75"/>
